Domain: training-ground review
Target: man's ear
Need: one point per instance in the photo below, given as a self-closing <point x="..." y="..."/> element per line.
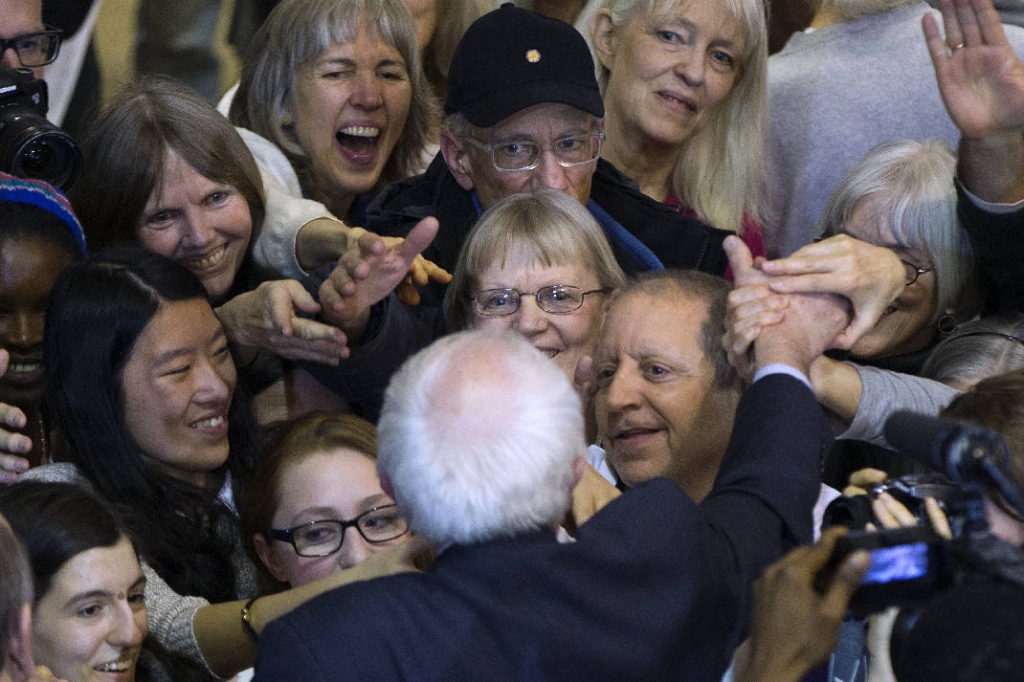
<point x="19" y="661"/>
<point x="268" y="557"/>
<point x="454" y="152"/>
<point x="578" y="463"/>
<point x="604" y="37"/>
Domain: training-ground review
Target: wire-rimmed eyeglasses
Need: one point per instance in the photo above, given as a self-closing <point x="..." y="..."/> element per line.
<point x="34" y="49"/>
<point x="524" y="155"/>
<point x="323" y="537"/>
<point x="557" y="298"/>
<point x="915" y="271"/>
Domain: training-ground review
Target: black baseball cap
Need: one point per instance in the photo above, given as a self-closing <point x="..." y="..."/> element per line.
<point x="511" y="59"/>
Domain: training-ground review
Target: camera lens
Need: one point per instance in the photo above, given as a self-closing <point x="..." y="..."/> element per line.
<point x="38" y="159"/>
<point x="48" y="155"/>
<point x="32" y="147"/>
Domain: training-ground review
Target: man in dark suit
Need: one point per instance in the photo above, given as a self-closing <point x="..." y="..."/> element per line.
<point x="481" y="442"/>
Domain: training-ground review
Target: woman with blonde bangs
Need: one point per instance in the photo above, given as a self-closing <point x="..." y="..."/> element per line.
<point x="535" y="264"/>
<point x="684" y="86"/>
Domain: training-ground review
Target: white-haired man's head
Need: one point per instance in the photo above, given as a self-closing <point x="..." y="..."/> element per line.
<point x="481" y="436"/>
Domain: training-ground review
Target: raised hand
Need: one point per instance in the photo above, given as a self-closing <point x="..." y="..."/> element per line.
<point x="980" y="77"/>
<point x="368" y="273"/>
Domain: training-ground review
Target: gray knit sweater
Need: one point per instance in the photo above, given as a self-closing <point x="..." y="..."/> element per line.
<point x="836" y="92"/>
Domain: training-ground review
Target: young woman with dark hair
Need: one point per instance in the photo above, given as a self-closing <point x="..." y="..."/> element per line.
<point x="144" y="389"/>
<point x="89" y="609"/>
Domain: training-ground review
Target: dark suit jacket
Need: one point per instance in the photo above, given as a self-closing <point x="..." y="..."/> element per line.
<point x="655" y="588"/>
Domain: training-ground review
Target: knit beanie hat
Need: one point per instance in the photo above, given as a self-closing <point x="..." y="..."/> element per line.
<point x="40" y="194"/>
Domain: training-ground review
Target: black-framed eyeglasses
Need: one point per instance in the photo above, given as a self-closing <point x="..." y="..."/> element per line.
<point x="524" y="155"/>
<point x="323" y="537"/>
<point x="34" y="49"/>
<point x="914" y="271"/>
<point x="557" y="298"/>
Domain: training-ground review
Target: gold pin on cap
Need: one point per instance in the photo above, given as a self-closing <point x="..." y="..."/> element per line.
<point x="532" y="56"/>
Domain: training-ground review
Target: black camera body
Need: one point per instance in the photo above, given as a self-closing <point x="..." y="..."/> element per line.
<point x="31" y="146"/>
<point x="910" y="490"/>
<point x="907" y="565"/>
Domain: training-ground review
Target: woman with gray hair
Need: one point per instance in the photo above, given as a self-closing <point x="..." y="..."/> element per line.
<point x="891" y="241"/>
<point x="335" y="106"/>
<point x="901" y="196"/>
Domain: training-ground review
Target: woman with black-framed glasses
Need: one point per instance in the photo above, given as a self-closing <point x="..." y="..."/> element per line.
<point x="316" y="505"/>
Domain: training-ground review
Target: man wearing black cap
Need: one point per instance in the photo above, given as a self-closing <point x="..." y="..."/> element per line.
<point x="524" y="112"/>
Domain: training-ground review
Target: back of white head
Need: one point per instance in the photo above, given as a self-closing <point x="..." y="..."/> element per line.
<point x="478" y="435"/>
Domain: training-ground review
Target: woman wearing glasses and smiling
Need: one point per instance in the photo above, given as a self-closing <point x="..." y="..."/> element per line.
<point x="316" y="481"/>
<point x="535" y="264"/>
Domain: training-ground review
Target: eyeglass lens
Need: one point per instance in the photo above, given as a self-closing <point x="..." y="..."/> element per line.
<point x="34" y="49"/>
<point x="913" y="271"/>
<point x="522" y="155"/>
<point x="558" y="298"/>
<point x="325" y="537"/>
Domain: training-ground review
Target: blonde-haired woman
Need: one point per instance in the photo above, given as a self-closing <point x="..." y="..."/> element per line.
<point x="684" y="86"/>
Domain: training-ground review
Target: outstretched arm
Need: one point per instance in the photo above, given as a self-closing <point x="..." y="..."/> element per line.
<point x="367" y="274"/>
<point x="981" y="81"/>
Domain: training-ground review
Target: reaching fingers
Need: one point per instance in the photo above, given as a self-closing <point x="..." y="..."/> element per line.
<point x="12" y="416"/>
<point x="891" y="513"/>
<point x="990" y="25"/>
<point x="865" y="477"/>
<point x="844" y="583"/>
<point x="951" y="23"/>
<point x="741" y="261"/>
<point x="967" y="19"/>
<point x="15" y="443"/>
<point x="407" y="292"/>
<point x="940" y="524"/>
<point x="418" y="238"/>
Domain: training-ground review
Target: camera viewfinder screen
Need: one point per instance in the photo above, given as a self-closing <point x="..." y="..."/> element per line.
<point x="900" y="562"/>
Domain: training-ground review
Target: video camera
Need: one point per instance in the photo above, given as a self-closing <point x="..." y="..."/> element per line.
<point x="31" y="146"/>
<point x="911" y="564"/>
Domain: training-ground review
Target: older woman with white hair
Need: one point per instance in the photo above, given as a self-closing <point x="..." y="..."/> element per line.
<point x="891" y="237"/>
<point x="901" y="196"/>
<point x="684" y="87"/>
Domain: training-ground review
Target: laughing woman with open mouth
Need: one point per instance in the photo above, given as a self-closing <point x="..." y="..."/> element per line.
<point x="338" y="87"/>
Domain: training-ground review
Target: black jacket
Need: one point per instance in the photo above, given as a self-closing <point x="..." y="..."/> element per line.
<point x="678" y="241"/>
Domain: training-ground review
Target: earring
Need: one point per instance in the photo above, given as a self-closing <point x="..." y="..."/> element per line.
<point x="286" y="120"/>
<point x="946" y="325"/>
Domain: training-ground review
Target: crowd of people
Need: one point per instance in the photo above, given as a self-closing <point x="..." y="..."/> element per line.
<point x="482" y="345"/>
